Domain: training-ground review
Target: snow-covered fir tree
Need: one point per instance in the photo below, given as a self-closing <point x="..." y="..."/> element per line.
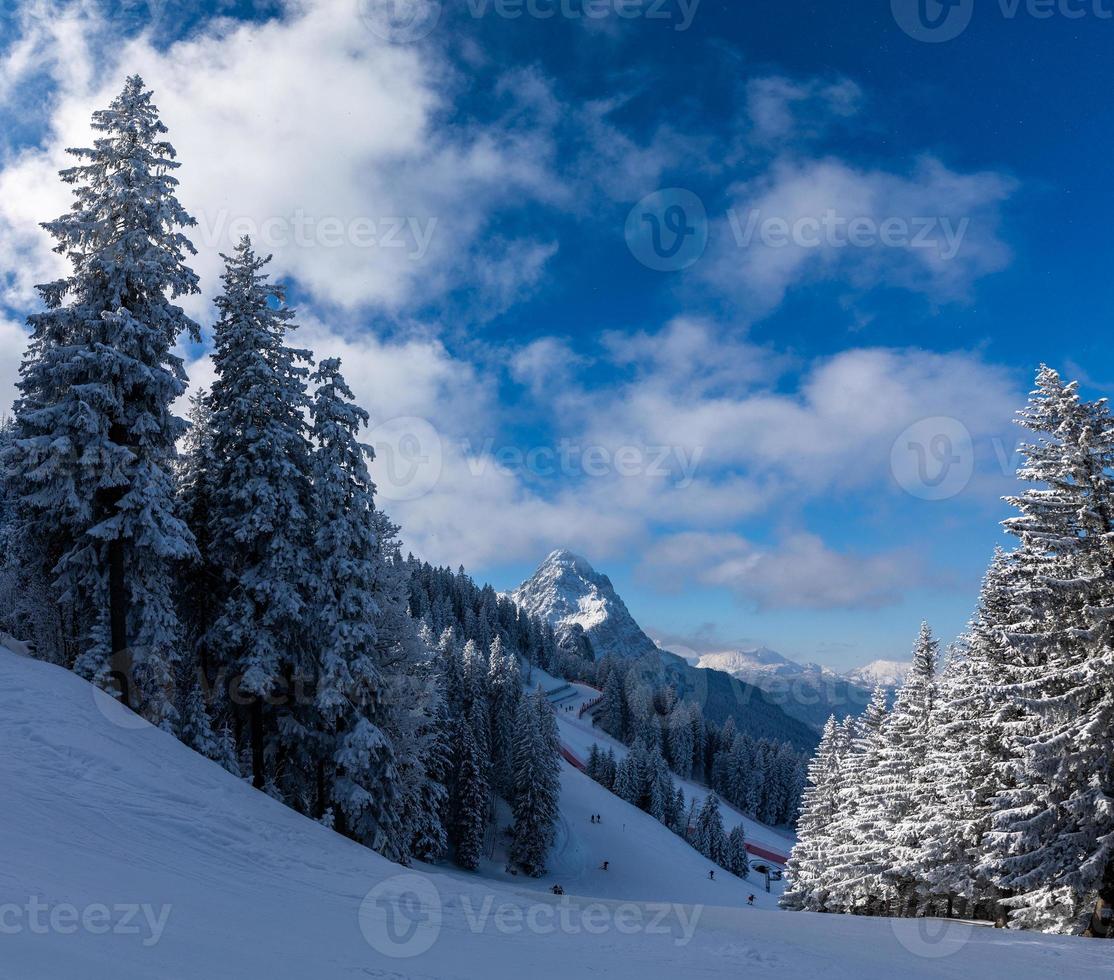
<point x="738" y="863"/>
<point x="844" y="839"/>
<point x="95" y="450"/>
<point x="1053" y="830"/>
<point x="260" y="522"/>
<point x="969" y="757"/>
<point x="351" y="703"/>
<point x="470" y="801"/>
<point x="709" y="838"/>
<point x="537" y="784"/>
<point x="504" y="690"/>
<point x="820" y="807"/>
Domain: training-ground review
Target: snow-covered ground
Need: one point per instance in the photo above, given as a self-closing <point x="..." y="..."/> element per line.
<point x="647" y="862"/>
<point x="578" y="734"/>
<point x="124" y="855"/>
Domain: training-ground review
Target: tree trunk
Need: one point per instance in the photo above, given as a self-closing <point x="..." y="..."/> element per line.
<point x="322" y="793"/>
<point x="122" y="664"/>
<point x="1101" y="925"/>
<point x="257" y="779"/>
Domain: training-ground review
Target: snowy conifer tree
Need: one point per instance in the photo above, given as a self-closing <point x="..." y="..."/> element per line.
<point x="505" y="691"/>
<point x="537" y="784"/>
<point x="680" y="742"/>
<point x="349" y="567"/>
<point x="821" y="805"/>
<point x="469" y="820"/>
<point x="970" y="758"/>
<point x="737" y="861"/>
<point x="710" y="839"/>
<point x="898" y="782"/>
<point x="95" y="451"/>
<point x="1053" y="831"/>
<point x="260" y="524"/>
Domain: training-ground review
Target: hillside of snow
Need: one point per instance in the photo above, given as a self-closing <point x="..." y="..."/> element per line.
<point x="578" y="735"/>
<point x="124" y="855"/>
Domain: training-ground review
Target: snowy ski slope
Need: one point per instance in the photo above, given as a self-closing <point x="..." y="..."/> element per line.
<point x="124" y="855"/>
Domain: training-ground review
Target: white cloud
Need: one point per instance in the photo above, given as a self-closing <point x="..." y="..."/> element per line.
<point x="934" y="231"/>
<point x="308" y="131"/>
<point x="311" y="117"/>
<point x="13" y="344"/>
<point x="834" y="429"/>
<point x="782" y="109"/>
<point x="800" y="572"/>
<point x="704" y="460"/>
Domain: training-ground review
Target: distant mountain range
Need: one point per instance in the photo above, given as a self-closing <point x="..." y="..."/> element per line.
<point x="566" y="590"/>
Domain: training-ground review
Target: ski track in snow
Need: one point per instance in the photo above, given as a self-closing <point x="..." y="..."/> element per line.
<point x="102" y="810"/>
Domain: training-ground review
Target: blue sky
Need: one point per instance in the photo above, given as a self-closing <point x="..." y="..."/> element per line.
<point x="765" y="432"/>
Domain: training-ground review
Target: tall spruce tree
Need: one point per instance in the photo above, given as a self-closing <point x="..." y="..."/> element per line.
<point x="95" y="449"/>
<point x="537" y="784"/>
<point x="711" y="841"/>
<point x="970" y="758"/>
<point x="737" y="861"/>
<point x="505" y="691"/>
<point x="1053" y="830"/>
<point x="819" y="809"/>
<point x="260" y="524"/>
<point x="469" y="819"/>
<point x="349" y="718"/>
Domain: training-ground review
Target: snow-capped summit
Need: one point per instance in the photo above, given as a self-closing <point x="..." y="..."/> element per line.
<point x="880" y="673"/>
<point x="567" y="590"/>
<point x="760" y="663"/>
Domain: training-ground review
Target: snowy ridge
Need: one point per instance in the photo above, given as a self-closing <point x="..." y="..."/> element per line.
<point x="760" y="662"/>
<point x="880" y="673"/>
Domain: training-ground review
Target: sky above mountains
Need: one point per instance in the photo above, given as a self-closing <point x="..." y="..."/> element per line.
<point x="736" y="299"/>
